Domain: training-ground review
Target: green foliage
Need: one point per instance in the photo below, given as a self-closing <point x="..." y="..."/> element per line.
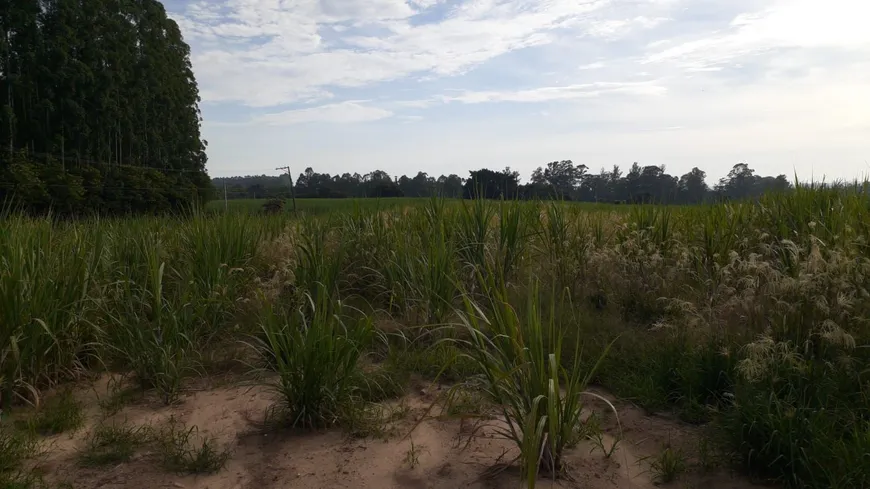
<point x="561" y="180"/>
<point x="321" y="259"/>
<point x="520" y="360"/>
<point x="79" y="138"/>
<point x="750" y="315"/>
<point x="46" y="275"/>
<point x="316" y="355"/>
<point x="441" y="361"/>
<point x="668" y="465"/>
<point x="112" y="444"/>
<point x="58" y="414"/>
<point x="15" y="448"/>
<point x="184" y="450"/>
<point x="151" y="334"/>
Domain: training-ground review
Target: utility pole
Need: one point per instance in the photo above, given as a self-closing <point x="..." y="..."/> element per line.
<point x="226" y="203"/>
<point x="290" y="178"/>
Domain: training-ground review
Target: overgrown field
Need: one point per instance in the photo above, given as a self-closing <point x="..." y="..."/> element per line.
<point x="749" y="317"/>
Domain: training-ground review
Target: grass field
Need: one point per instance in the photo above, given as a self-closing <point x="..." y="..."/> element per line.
<point x="315" y="206"/>
<point x="324" y="206"/>
<point x="748" y="321"/>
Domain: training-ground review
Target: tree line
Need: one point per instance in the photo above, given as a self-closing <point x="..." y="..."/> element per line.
<point x="561" y="179"/>
<point x="98" y="108"/>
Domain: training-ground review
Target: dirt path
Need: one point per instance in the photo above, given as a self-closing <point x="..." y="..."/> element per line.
<point x="436" y="455"/>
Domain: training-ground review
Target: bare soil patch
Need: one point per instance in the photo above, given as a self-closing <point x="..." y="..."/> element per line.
<point x="437" y="454"/>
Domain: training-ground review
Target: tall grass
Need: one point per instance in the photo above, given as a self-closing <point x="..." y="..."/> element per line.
<point x="315" y="352"/>
<point x="138" y="294"/>
<point x="751" y="315"/>
<point x="47" y="275"/>
<point x="523" y="374"/>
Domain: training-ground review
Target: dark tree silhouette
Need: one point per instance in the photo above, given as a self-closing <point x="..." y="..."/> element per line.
<point x="99" y="108"/>
<point x="558" y="180"/>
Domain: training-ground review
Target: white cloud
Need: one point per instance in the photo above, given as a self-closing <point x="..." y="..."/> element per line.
<point x="591" y="66"/>
<point x="285" y="57"/>
<point x="342" y="112"/>
<point x="665" y="81"/>
<point x="546" y="94"/>
<point x="796" y="24"/>
<point x="425" y="4"/>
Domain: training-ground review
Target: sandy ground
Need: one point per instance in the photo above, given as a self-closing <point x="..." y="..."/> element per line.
<point x="443" y="457"/>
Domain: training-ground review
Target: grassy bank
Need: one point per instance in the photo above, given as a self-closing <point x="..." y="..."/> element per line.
<point x="747" y="316"/>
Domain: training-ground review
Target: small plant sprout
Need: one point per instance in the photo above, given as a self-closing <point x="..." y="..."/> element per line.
<point x="669" y="464"/>
<point x="412" y="456"/>
<point x="594" y="433"/>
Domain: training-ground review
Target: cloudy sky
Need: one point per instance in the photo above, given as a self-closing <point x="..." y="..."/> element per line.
<point x="445" y="86"/>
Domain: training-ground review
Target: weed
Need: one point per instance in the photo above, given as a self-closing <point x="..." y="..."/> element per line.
<point x="593" y="432"/>
<point x="15" y="448"/>
<point x="316" y="356"/>
<point x="707" y="457"/>
<point x="117" y="399"/>
<point x="367" y="420"/>
<point x="522" y="373"/>
<point x="22" y="480"/>
<point x="466" y="401"/>
<point x="668" y="465"/>
<point x="182" y="449"/>
<point x="442" y="361"/>
<point x="113" y="443"/>
<point x="412" y="456"/>
<point x="151" y="333"/>
<point x="381" y="383"/>
<point x="58" y="414"/>
<point x="399" y="411"/>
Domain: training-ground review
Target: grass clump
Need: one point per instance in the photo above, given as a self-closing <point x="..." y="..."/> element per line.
<point x="118" y="398"/>
<point x="442" y="361"/>
<point x="182" y="449"/>
<point x="315" y="352"/>
<point x="16" y="447"/>
<point x="58" y="414"/>
<point x="521" y="367"/>
<point x="668" y="465"/>
<point x="150" y="334"/>
<point x="113" y="443"/>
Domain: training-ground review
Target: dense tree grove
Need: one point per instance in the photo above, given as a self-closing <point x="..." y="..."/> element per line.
<point x="558" y="179"/>
<point x="98" y="108"/>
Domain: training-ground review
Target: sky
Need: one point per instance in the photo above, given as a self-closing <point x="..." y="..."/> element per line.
<point x="448" y="86"/>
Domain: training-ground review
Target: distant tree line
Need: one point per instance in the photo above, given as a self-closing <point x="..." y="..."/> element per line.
<point x="98" y="108"/>
<point x="310" y="184"/>
<point x="558" y="179"/>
